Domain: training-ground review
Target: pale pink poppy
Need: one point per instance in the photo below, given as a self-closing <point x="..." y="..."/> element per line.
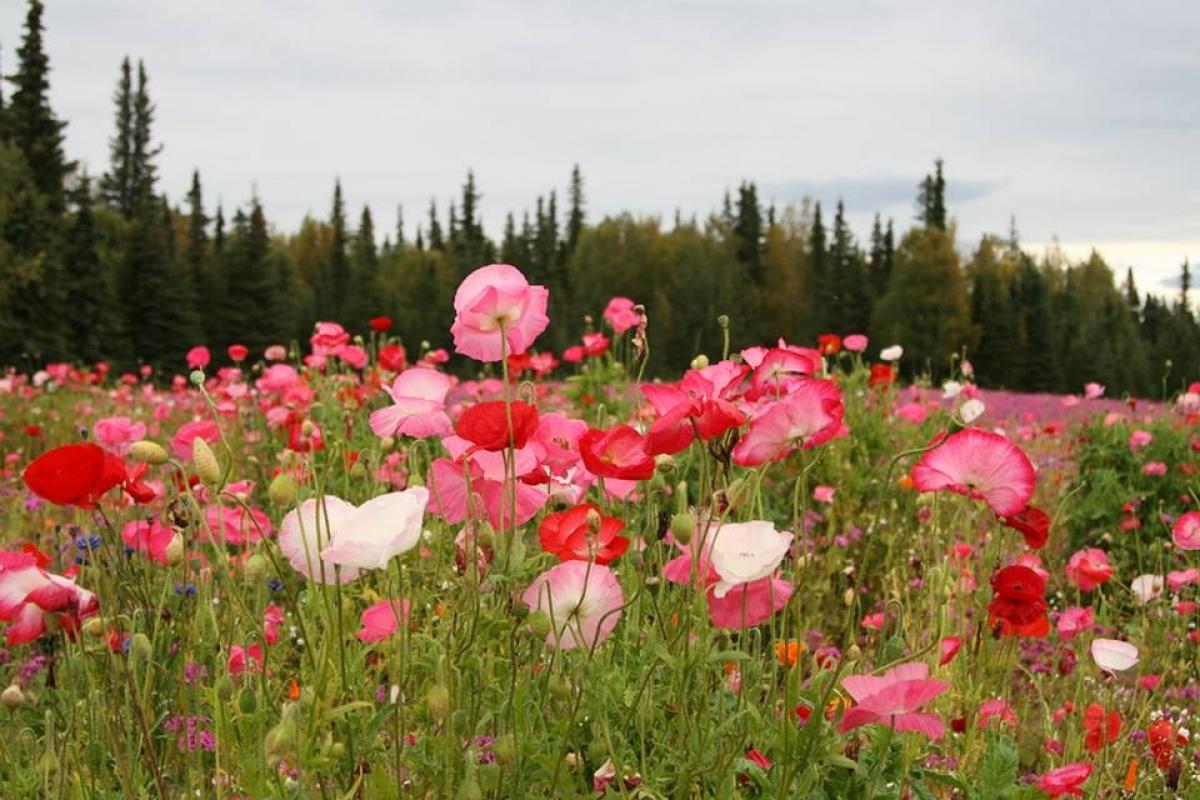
<point x="583" y="600"/>
<point x="855" y="343"/>
<point x="498" y="298"/>
<point x="327" y="338"/>
<point x="1177" y="579"/>
<point x="29" y="596"/>
<point x="379" y="530"/>
<point x="745" y="552"/>
<point x="275" y="352"/>
<point x="1155" y="468"/>
<point x="115" y="434"/>
<point x="307" y="530"/>
<point x="198" y="357"/>
<point x="780" y="368"/>
<point x="352" y="354"/>
<point x="181" y="442"/>
<point x="824" y="494"/>
<point x="620" y="315"/>
<point x="418" y="405"/>
<point x="996" y="708"/>
<point x="809" y="416"/>
<point x="278" y="378"/>
<point x="379" y="620"/>
<point x="893" y="698"/>
<point x="1113" y="655"/>
<point x="1139" y="439"/>
<point x="273" y="618"/>
<point x="557" y="442"/>
<point x="1186" y="531"/>
<point x="979" y="464"/>
<point x="1093" y="390"/>
<point x="1147" y="588"/>
<point x="1074" y="621"/>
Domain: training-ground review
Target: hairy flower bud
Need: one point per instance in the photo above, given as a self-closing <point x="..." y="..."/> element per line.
<point x="255" y="568"/>
<point x="664" y="463"/>
<point x="437" y="700"/>
<point x="12" y="697"/>
<point x="282" y="491"/>
<point x="682" y="527"/>
<point x="175" y="550"/>
<point x="541" y="624"/>
<point x="148" y="452"/>
<point x="700" y="361"/>
<point x="205" y="462"/>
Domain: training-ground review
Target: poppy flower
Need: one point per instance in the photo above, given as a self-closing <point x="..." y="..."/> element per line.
<point x="381" y="324"/>
<point x="1161" y="737"/>
<point x="594" y="344"/>
<point x="1032" y="523"/>
<point x="582" y="533"/>
<point x="392" y="357"/>
<point x="829" y="343"/>
<point x="29" y="596"/>
<point x="583" y="601"/>
<point x="620" y="315"/>
<point x="619" y="452"/>
<point x="1113" y="655"/>
<point x="493" y="302"/>
<point x="810" y="415"/>
<point x="1064" y="780"/>
<point x="1101" y="728"/>
<point x="1074" y="621"/>
<point x="485" y="425"/>
<point x="1089" y="568"/>
<point x="379" y="620"/>
<point x="892" y="699"/>
<point x="948" y="649"/>
<point x="238" y="352"/>
<point x="327" y="338"/>
<point x="198" y="357"/>
<point x="979" y="464"/>
<point x="1186" y="532"/>
<point x="699" y="406"/>
<point x="418" y="405"/>
<point x="1019" y="602"/>
<point x="245" y="658"/>
<point x="74" y="474"/>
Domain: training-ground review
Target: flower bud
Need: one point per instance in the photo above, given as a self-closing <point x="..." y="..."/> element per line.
<point x="505" y="748"/>
<point x="738" y="492"/>
<point x="247" y="701"/>
<point x="148" y="452"/>
<point x="559" y="688"/>
<point x="205" y="462"/>
<point x="541" y="624"/>
<point x="848" y="597"/>
<point x="594" y="521"/>
<point x="255" y="568"/>
<point x="94" y="626"/>
<point x="225" y="689"/>
<point x="12" y="697"/>
<point x="140" y="649"/>
<point x="196" y="376"/>
<point x="700" y="361"/>
<point x="664" y="463"/>
<point x="723" y="321"/>
<point x="682" y="527"/>
<point x="358" y="470"/>
<point x="387" y="443"/>
<point x="175" y="551"/>
<point x="437" y="700"/>
<point x="282" y="491"/>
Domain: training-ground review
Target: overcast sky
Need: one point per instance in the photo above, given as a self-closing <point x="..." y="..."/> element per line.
<point x="1082" y="119"/>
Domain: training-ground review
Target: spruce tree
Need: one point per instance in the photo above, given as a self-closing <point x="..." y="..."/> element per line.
<point x="93" y="324"/>
<point x="197" y="259"/>
<point x="1185" y="284"/>
<point x="575" y="216"/>
<point x="748" y="233"/>
<point x="367" y="290"/>
<point x="30" y="122"/>
<point x="400" y="242"/>
<point x="116" y="184"/>
<point x="436" y="241"/>
<point x="819" y="292"/>
<point x="337" y="270"/>
<point x="849" y="310"/>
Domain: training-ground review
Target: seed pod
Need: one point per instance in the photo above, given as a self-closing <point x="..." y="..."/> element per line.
<point x="505" y="748"/>
<point x="541" y="624"/>
<point x="148" y="452"/>
<point x="175" y="550"/>
<point x="12" y="697"/>
<point x="205" y="462"/>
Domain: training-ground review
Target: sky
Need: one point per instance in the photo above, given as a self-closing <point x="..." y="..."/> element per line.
<point x="1081" y="120"/>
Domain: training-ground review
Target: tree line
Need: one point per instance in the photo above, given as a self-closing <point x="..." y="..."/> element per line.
<point x="107" y="268"/>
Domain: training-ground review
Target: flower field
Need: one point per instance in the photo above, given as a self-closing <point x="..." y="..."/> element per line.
<point x="341" y="569"/>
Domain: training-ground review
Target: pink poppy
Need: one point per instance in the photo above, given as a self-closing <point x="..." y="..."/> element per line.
<point x="916" y="413"/>
<point x="352" y="354"/>
<point x="855" y="343"/>
<point x="1089" y="568"/>
<point x="181" y="442"/>
<point x="307" y="530"/>
<point x="778" y="369"/>
<point x="273" y="617"/>
<point x="148" y="537"/>
<point x="1093" y="390"/>
<point x="1186" y="532"/>
<point x="493" y="299"/>
<point x="327" y="338"/>
<point x="1154" y="468"/>
<point x="809" y="416"/>
<point x="29" y="596"/>
<point x="745" y="552"/>
<point x="1177" y="579"/>
<point x="379" y="530"/>
<point x="893" y="698"/>
<point x="1074" y="621"/>
<point x="379" y="620"/>
<point x="245" y="658"/>
<point x="996" y="709"/>
<point x="978" y="464"/>
<point x="231" y="524"/>
<point x="620" y="315"/>
<point x="115" y="434"/>
<point x="823" y="494"/>
<point x="1139" y="439"/>
<point x="948" y="649"/>
<point x="699" y="405"/>
<point x="583" y="601"/>
<point x="198" y="357"/>
<point x="275" y="352"/>
<point x="418" y="405"/>
<point x="1064" y="780"/>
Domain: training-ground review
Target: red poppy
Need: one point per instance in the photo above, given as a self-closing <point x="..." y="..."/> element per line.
<point x="33" y="431"/>
<point x="582" y="533"/>
<point x="238" y="352"/>
<point x="381" y="324"/>
<point x="1019" y="602"/>
<point x="518" y="363"/>
<point x="619" y="452"/>
<point x="1101" y="729"/>
<point x="594" y="344"/>
<point x="393" y="358"/>
<point x="1161" y="736"/>
<point x="486" y="425"/>
<point x="573" y="354"/>
<point x="882" y="375"/>
<point x="829" y="343"/>
<point x="74" y="474"/>
<point x="1032" y="523"/>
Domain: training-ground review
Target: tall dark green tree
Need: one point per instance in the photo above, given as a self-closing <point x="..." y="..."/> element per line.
<point x="436" y="240"/>
<point x="575" y="214"/>
<point x="197" y="259"/>
<point x="93" y="326"/>
<point x="748" y="232"/>
<point x="117" y="185"/>
<point x="850" y="307"/>
<point x="931" y="201"/>
<point x="333" y="296"/>
<point x="820" y="293"/>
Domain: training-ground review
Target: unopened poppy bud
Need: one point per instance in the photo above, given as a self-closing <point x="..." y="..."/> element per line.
<point x="282" y="491"/>
<point x="700" y="361"/>
<point x="140" y="648"/>
<point x="255" y="568"/>
<point x="559" y="688"/>
<point x="469" y="790"/>
<point x="12" y="697"/>
<point x="437" y="700"/>
<point x="387" y="443"/>
<point x="664" y="463"/>
<point x="225" y="689"/>
<point x="485" y="535"/>
<point x="682" y="527"/>
<point x="854" y="652"/>
<point x="415" y="479"/>
<point x="307" y="428"/>
<point x="94" y="626"/>
<point x="205" y="462"/>
<point x="358" y="470"/>
<point x="247" y="701"/>
<point x="196" y="377"/>
<point x="848" y="597"/>
<point x="505" y="748"/>
<point x="723" y="321"/>
<point x="738" y="493"/>
<point x="594" y="521"/>
<point x="541" y="624"/>
<point x="148" y="452"/>
<point x="175" y="551"/>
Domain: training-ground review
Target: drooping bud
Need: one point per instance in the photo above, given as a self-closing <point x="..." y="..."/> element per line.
<point x="723" y="321"/>
<point x="94" y="626"/>
<point x="148" y="452"/>
<point x="387" y="443"/>
<point x="205" y="462"/>
<point x="282" y="491"/>
<point x="682" y="527"/>
<point x="594" y="521"/>
<point x="358" y="470"/>
<point x="140" y="649"/>
<point x="505" y="748"/>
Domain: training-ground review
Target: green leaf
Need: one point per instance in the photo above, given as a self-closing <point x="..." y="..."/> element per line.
<point x="998" y="771"/>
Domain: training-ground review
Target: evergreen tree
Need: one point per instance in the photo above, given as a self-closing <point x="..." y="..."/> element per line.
<point x="849" y="309"/>
<point x="993" y="311"/>
<point x="436" y="242"/>
<point x="1039" y="357"/>
<point x="1185" y="284"/>
<point x="932" y="199"/>
<point x="820" y="292"/>
<point x="575" y="216"/>
<point x="142" y="172"/>
<point x="30" y="122"/>
<point x="400" y="240"/>
<point x="116" y="185"/>
<point x="336" y="272"/>
<point x="367" y="290"/>
<point x="92" y="326"/>
<point x="748" y="232"/>
<point x="1131" y="294"/>
<point x="196" y="258"/>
